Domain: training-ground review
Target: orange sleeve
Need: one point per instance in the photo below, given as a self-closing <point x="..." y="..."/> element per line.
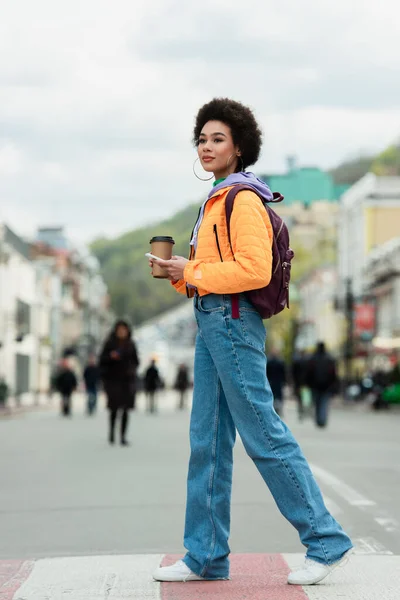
<point x="180" y="286"/>
<point x="251" y="236"/>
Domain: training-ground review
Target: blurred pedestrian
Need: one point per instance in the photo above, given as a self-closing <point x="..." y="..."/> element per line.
<point x="4" y="389"/>
<point x="152" y="382"/>
<point x="322" y="379"/>
<point x="182" y="384"/>
<point x="381" y="380"/>
<point x="91" y="377"/>
<point x="65" y="383"/>
<point x="394" y="375"/>
<point x="53" y="380"/>
<point x="118" y="364"/>
<point x="299" y="379"/>
<point x="231" y="390"/>
<point x="276" y="374"/>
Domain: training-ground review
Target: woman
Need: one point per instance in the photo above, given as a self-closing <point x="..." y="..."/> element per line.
<point x="118" y="364"/>
<point x="230" y="384"/>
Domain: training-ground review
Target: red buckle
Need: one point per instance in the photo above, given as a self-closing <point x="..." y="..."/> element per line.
<point x="235" y="306"/>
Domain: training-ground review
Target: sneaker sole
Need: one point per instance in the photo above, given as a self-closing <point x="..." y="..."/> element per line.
<point x="340" y="563"/>
<point x="175" y="578"/>
<point x="172" y="579"/>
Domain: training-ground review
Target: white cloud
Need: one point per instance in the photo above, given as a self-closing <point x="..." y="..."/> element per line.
<point x="53" y="171"/>
<point x="11" y="159"/>
<point x="326" y="129"/>
<point x="97" y="100"/>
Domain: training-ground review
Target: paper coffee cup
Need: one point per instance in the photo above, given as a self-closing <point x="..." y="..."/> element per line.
<point x="161" y="246"/>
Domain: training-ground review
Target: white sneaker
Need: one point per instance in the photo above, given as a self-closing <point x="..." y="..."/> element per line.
<point x="314" y="572"/>
<point x="177" y="572"/>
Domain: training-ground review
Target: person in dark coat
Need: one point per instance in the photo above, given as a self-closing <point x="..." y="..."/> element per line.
<point x="394" y="376"/>
<point x="91" y="377"/>
<point x="182" y="384"/>
<point x="118" y="364"/>
<point x="65" y="383"/>
<point x="152" y="381"/>
<point x="322" y="379"/>
<point x="299" y="379"/>
<point x="276" y="375"/>
<point x="4" y="389"/>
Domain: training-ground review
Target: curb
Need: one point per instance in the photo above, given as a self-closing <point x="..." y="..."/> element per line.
<point x="13" y="411"/>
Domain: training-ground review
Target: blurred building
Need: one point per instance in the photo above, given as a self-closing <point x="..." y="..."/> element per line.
<point x="85" y="315"/>
<point x="311" y="203"/>
<point x="169" y="339"/>
<point x="53" y="301"/>
<point x="311" y="226"/>
<point x="369" y="222"/>
<point x="318" y="319"/>
<point x="382" y="283"/>
<point x="18" y="343"/>
<point x="48" y="320"/>
<point x="304" y="185"/>
<point x="369" y="217"/>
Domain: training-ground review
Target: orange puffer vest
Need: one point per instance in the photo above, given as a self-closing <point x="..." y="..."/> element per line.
<point x="214" y="269"/>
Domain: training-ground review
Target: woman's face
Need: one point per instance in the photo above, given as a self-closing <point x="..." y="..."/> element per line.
<point x="122" y="332"/>
<point x="217" y="152"/>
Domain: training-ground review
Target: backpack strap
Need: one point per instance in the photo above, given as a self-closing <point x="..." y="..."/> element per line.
<point x="229" y="202"/>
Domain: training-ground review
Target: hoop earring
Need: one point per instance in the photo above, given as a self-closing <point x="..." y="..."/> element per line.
<point x="194" y="171"/>
<point x="238" y="156"/>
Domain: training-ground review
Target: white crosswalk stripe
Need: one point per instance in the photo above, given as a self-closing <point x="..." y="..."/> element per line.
<point x="93" y="578"/>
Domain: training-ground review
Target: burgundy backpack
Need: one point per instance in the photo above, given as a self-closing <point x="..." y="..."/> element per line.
<point x="273" y="298"/>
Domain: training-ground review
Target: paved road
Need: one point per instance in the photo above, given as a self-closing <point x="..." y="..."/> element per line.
<point x="65" y="492"/>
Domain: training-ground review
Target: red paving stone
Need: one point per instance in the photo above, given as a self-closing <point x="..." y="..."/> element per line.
<point x="13" y="573"/>
<point x="253" y="577"/>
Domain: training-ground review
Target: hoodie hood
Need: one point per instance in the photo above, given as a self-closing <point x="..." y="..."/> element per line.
<point x="260" y="187"/>
<point x="242" y="178"/>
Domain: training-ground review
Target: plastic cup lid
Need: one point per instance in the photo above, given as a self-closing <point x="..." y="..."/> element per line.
<point x="162" y="238"/>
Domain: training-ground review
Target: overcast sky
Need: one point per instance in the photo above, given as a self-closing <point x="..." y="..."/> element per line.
<point x="97" y="98"/>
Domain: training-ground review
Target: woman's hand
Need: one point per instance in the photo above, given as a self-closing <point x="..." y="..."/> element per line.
<point x="175" y="266"/>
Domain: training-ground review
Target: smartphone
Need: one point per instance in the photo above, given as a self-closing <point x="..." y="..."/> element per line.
<point x="149" y="255"/>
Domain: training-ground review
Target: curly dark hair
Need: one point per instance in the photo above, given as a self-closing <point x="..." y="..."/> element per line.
<point x="245" y="130"/>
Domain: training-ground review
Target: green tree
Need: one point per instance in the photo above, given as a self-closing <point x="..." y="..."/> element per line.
<point x="351" y="171"/>
<point x="134" y="293"/>
<point x="388" y="161"/>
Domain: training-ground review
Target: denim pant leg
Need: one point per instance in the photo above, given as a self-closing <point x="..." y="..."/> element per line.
<point x="91" y="401"/>
<point x="321" y="401"/>
<point x="237" y="350"/>
<point x="212" y="437"/>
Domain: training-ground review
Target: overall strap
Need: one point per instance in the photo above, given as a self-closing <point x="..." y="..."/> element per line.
<point x="235" y="306"/>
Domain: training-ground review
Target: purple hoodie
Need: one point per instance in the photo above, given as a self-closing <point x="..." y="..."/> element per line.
<point x="243" y="178"/>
